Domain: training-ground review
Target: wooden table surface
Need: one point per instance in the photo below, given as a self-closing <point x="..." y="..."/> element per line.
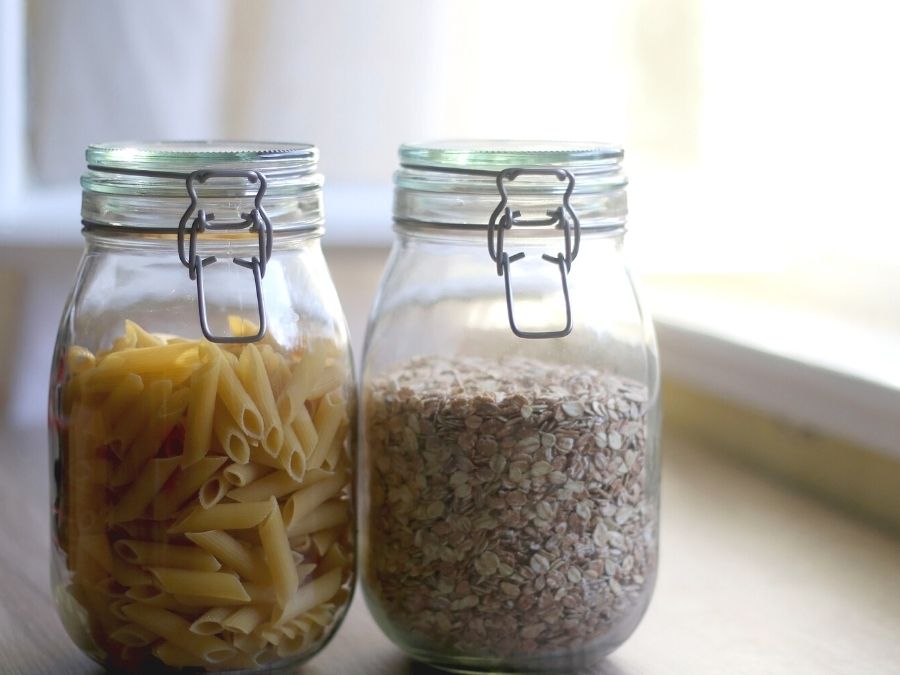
<point x="753" y="579"/>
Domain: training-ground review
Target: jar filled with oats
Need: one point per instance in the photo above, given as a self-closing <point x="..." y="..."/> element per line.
<point x="510" y="420"/>
<point x="200" y="410"/>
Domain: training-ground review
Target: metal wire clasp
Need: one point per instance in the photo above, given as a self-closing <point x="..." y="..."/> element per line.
<point x="562" y="217"/>
<point x="257" y="221"/>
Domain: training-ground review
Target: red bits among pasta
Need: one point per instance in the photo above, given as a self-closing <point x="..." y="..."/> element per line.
<point x="204" y="515"/>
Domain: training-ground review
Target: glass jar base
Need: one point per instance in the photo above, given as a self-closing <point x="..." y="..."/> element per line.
<point x="568" y="662"/>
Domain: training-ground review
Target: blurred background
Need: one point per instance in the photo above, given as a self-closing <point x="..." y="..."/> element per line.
<point x="761" y="142"/>
<point x="756" y="133"/>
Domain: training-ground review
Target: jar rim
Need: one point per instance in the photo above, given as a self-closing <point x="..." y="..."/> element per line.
<point x="192" y="155"/>
<point x="498" y="154"/>
<point x="160" y="168"/>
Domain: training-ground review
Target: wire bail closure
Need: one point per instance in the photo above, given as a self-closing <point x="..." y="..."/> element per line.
<point x="257" y="221"/>
<point x="563" y="217"/>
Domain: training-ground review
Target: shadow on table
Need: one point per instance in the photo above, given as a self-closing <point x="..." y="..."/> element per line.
<point x="406" y="666"/>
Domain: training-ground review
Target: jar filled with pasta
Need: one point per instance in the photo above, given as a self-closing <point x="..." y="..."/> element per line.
<point x="200" y="410"/>
<point x="509" y="425"/>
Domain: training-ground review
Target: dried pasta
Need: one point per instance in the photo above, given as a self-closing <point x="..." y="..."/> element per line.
<point x="205" y="513"/>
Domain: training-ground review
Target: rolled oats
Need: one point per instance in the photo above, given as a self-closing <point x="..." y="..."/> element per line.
<point x="509" y="509"/>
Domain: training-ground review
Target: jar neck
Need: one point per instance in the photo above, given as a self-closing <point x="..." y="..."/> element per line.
<point x="460" y="198"/>
<point x="121" y="240"/>
<point x="301" y="210"/>
<point x="416" y="234"/>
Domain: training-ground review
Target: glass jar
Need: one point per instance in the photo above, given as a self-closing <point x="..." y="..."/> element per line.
<point x="510" y="414"/>
<point x="199" y="413"/>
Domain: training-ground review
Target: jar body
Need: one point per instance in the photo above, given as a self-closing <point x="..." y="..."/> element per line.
<point x="202" y="507"/>
<point x="509" y="486"/>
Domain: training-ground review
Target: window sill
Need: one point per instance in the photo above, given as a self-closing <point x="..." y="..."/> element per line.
<point x="790" y="376"/>
<point x="788" y="344"/>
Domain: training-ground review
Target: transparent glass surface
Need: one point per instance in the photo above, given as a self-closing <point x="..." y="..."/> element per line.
<point x="509" y="486"/>
<point x="202" y="514"/>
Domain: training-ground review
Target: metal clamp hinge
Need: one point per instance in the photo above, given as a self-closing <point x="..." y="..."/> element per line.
<point x="504" y="218"/>
<point x="256" y="221"/>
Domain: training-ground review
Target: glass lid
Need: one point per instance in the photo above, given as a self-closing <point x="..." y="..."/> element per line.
<point x="495" y="155"/>
<point x="161" y="167"/>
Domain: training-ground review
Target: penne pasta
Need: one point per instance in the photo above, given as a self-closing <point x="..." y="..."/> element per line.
<point x="156" y="598"/>
<point x="115" y="608"/>
<point x="293" y="462"/>
<point x="195" y="529"/>
<point x="250" y="643"/>
<point x="145" y="593"/>
<point x="154" y="554"/>
<point x="174" y="362"/>
<point x="303" y="377"/>
<point x="135" y="420"/>
<point x="302" y="543"/>
<point x="240" y="475"/>
<point x="260" y="593"/>
<point x="335" y="452"/>
<point x="242" y="661"/>
<point x="260" y="456"/>
<point x="79" y="359"/>
<point x="186" y="647"/>
<point x="305" y="500"/>
<point x="330" y="378"/>
<point x="126" y="392"/>
<point x="309" y="595"/>
<point x="110" y="588"/>
<point x="198" y="424"/>
<point x="304" y="570"/>
<point x="138" y="497"/>
<point x="212" y="585"/>
<point x="223" y="517"/>
<point x="230" y="436"/>
<point x="323" y="539"/>
<point x="331" y="412"/>
<point x="305" y="430"/>
<point x="177" y="657"/>
<point x="149" y="441"/>
<point x="129" y="575"/>
<point x="155" y="359"/>
<point x="276" y="484"/>
<point x="212" y="492"/>
<point x="141" y="338"/>
<point x="278" y="558"/>
<point x="202" y="602"/>
<point x="335" y="558"/>
<point x="242" y="327"/>
<point x="291" y="442"/>
<point x="210" y="622"/>
<point x="184" y="484"/>
<point x="237" y="401"/>
<point x="246" y="619"/>
<point x="252" y="373"/>
<point x="314" y="476"/>
<point x="276" y="369"/>
<point x="322" y="615"/>
<point x="232" y="553"/>
<point x="292" y="645"/>
<point x="270" y="633"/>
